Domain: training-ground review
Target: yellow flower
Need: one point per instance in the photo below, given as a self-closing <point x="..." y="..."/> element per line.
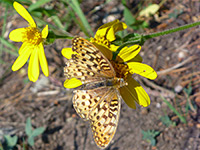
<point x="105" y="35"/>
<point x="32" y="46"/>
<point x="127" y="62"/>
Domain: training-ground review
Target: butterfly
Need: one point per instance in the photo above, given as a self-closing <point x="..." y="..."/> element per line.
<point x="97" y="100"/>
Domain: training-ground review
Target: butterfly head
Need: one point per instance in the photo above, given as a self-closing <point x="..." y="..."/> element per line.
<point x="119" y="82"/>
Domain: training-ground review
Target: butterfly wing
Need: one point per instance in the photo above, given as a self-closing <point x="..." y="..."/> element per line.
<point x="101" y="106"/>
<point x="86" y="100"/>
<point x="89" y="64"/>
<point x="75" y="69"/>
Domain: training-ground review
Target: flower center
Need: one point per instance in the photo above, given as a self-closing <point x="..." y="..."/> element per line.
<point x="120" y="69"/>
<point x="101" y="40"/>
<point x="32" y="36"/>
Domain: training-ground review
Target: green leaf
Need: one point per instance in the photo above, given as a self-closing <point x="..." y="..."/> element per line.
<point x="153" y="141"/>
<point x="182" y="119"/>
<point x="166" y="121"/>
<point x="36" y="14"/>
<point x="150" y="136"/>
<point x="129" y="19"/>
<point x="132" y="37"/>
<point x="52" y="36"/>
<point x="117" y="41"/>
<point x="28" y="128"/>
<point x="37" y="4"/>
<point x="31" y="141"/>
<point x="11" y="141"/>
<point x="57" y="22"/>
<point x="10" y="45"/>
<point x="74" y="4"/>
<point x="24" y="144"/>
<point x="38" y="131"/>
<point x="9" y="2"/>
<point x="188" y="90"/>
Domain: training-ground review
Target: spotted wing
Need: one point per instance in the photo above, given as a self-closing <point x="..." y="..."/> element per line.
<point x="101" y="106"/>
<point x="75" y="69"/>
<point x="89" y="64"/>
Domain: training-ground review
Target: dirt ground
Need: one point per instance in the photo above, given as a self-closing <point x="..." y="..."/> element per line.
<point x="175" y="57"/>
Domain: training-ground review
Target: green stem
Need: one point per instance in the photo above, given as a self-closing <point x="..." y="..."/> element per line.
<point x="140" y="40"/>
<point x="149" y="36"/>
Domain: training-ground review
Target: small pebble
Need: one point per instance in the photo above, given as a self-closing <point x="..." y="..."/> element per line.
<point x="178" y="88"/>
<point x="158" y="105"/>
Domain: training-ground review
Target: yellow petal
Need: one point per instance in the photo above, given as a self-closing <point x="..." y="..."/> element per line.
<point x="21" y="60"/>
<point x="33" y="68"/>
<point x="137" y="92"/>
<point x="108" y="30"/>
<point x="72" y="83"/>
<point x="137" y="58"/>
<point x="68" y="52"/>
<point x="110" y="34"/>
<point x="119" y="26"/>
<point x="24" y="13"/>
<point x="142" y="69"/>
<point x="45" y="32"/>
<point x="102" y="30"/>
<point x="113" y="47"/>
<point x="128" y="53"/>
<point x="24" y="47"/>
<point x="17" y="34"/>
<point x="43" y="60"/>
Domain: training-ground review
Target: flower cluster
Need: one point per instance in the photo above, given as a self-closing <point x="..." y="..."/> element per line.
<point x="127" y="63"/>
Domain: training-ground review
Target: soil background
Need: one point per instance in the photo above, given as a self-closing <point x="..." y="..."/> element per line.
<point x="175" y="57"/>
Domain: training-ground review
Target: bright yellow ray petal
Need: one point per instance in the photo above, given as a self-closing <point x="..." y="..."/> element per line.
<point x="43" y="60"/>
<point x="33" y="68"/>
<point x="72" y="83"/>
<point x="128" y="53"/>
<point x="142" y="69"/>
<point x="137" y="92"/>
<point x="24" y="13"/>
<point x="45" y="32"/>
<point x="67" y="52"/>
<point x="24" y="47"/>
<point x="119" y="26"/>
<point x="113" y="47"/>
<point x="109" y="24"/>
<point x="17" y="34"/>
<point x="110" y="34"/>
<point x="102" y="30"/>
<point x="137" y="58"/>
<point x="21" y="60"/>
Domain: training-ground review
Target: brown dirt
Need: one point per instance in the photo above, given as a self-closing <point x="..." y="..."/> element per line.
<point x="49" y="104"/>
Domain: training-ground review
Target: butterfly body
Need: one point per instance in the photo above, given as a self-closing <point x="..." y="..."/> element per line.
<point x="97" y="100"/>
<point x="113" y="82"/>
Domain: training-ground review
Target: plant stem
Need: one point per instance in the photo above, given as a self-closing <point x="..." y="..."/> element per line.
<point x="143" y="38"/>
<point x="149" y="36"/>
